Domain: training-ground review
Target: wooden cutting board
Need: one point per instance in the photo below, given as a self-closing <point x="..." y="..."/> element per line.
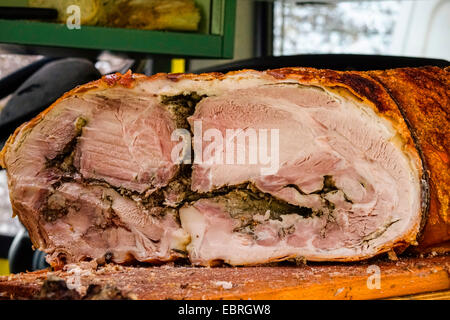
<point x="407" y="276"/>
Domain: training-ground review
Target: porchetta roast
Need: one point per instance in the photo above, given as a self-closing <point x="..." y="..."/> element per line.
<point x="242" y="168"/>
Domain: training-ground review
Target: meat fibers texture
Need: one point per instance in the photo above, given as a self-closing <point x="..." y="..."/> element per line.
<point x="362" y="167"/>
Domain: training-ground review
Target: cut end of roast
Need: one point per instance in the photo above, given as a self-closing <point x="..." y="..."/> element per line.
<point x="94" y="177"/>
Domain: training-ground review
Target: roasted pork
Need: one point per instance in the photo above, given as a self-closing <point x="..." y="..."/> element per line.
<point x="243" y="168"/>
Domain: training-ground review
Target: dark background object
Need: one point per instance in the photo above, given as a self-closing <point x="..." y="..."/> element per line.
<point x="20" y="254"/>
<point x="38" y="261"/>
<point x="41" y="89"/>
<point x="360" y="62"/>
<point x="5" y="243"/>
<point x="13" y="81"/>
<point x="28" y="13"/>
<point x="263" y="29"/>
<point x="22" y="257"/>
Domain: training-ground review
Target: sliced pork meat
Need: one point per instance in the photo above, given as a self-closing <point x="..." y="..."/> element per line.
<point x="336" y="158"/>
<point x="81" y="178"/>
<point x="243" y="168"/>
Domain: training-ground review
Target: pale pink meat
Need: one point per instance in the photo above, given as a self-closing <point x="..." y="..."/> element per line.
<point x="94" y="178"/>
<point x="320" y="135"/>
<point x="124" y="143"/>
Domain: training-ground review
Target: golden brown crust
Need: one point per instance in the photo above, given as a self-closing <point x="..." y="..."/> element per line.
<point x="419" y="92"/>
<point x="423" y="94"/>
